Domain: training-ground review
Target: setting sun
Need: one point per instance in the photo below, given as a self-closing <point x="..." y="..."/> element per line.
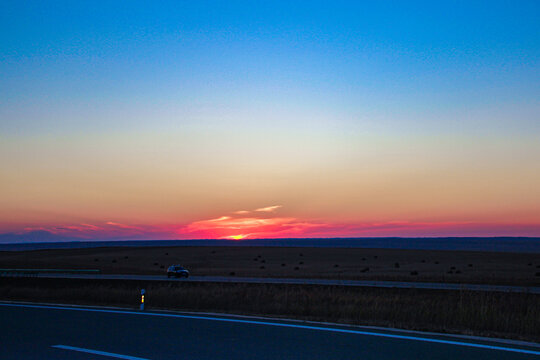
<point x="237" y="237"/>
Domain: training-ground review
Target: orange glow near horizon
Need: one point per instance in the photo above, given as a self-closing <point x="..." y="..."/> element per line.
<point x="364" y="188"/>
<point x="257" y="224"/>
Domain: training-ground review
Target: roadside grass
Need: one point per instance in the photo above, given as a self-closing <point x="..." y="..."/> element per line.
<point x="507" y="315"/>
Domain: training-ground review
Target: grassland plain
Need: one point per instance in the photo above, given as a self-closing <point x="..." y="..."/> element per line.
<point x="490" y="314"/>
<point x="507" y="315"/>
<point x="296" y="262"/>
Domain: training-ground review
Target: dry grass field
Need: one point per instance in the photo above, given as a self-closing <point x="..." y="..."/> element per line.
<point x="327" y="263"/>
<point x="509" y="315"/>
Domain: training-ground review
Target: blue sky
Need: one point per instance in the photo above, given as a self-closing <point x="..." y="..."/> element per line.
<point x="406" y="55"/>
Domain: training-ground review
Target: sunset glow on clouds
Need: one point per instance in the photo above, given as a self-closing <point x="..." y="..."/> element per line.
<point x="249" y="226"/>
<point x="258" y="224"/>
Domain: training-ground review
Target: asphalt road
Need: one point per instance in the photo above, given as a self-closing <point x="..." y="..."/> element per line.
<point x="49" y="332"/>
<point x="361" y="283"/>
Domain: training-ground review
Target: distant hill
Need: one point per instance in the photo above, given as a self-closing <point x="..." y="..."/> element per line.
<point x="32" y="237"/>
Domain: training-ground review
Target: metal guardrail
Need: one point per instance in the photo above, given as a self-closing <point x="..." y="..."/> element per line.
<point x="36" y="272"/>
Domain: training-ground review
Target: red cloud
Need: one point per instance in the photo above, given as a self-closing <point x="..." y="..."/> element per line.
<point x="264" y="224"/>
<point x="247" y="227"/>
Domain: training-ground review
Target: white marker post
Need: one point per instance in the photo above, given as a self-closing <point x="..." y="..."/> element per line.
<point x="142" y="298"/>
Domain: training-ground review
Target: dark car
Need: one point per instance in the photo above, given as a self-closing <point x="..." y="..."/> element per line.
<point x="177" y="271"/>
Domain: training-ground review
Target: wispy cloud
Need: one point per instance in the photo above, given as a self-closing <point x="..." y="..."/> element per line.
<point x="110" y="230"/>
<point x="223" y="218"/>
<point x="91" y="227"/>
<point x="123" y="226"/>
<point x="269" y="208"/>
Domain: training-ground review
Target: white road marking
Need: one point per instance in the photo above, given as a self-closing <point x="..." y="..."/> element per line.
<point x="97" y="352"/>
<point x="269" y="323"/>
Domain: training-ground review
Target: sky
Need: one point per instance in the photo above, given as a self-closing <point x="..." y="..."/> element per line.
<point x="269" y="119"/>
